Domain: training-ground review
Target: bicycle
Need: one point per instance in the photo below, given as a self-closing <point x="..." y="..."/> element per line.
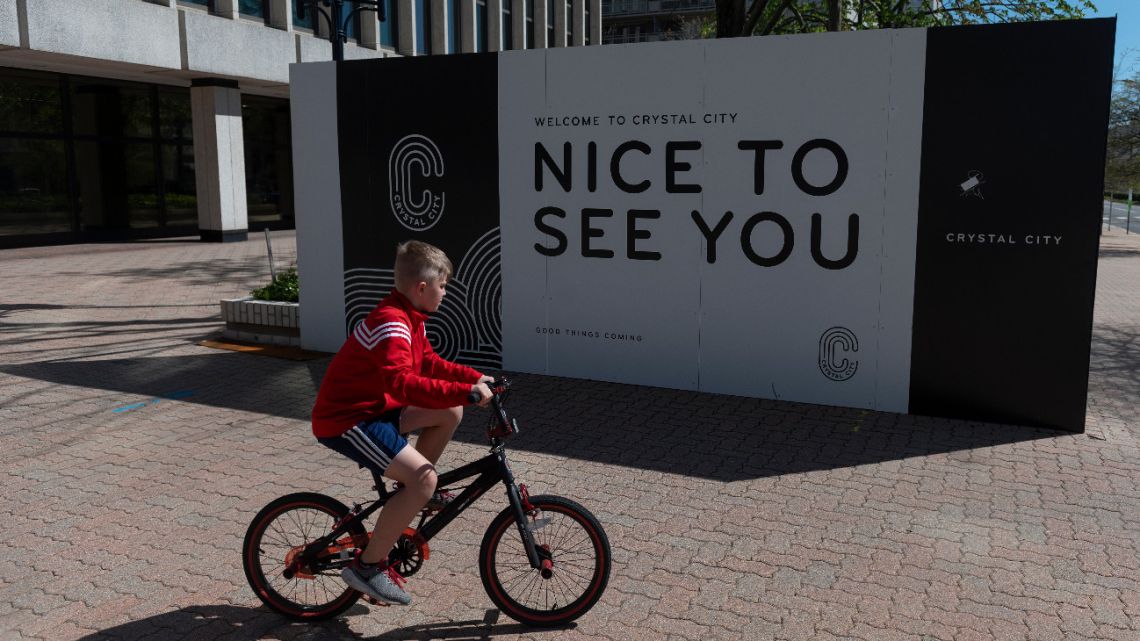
<point x="553" y="572"/>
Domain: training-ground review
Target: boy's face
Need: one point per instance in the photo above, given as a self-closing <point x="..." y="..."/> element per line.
<point x="429" y="295"/>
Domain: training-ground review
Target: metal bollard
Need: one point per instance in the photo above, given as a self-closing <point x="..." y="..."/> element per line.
<point x="272" y="267"/>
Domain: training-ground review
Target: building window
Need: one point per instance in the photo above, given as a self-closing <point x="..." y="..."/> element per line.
<point x="81" y="153"/>
<point x="352" y="29"/>
<point x="306" y="22"/>
<point x="268" y="160"/>
<point x="255" y="8"/>
<point x="389" y="34"/>
<point x="528" y="43"/>
<point x="209" y="4"/>
<point x="422" y="19"/>
<point x="506" y="34"/>
<point x="454" y="32"/>
<point x="30" y="103"/>
<point x="481" y="26"/>
<point x="34" y="197"/>
<point x="586" y="26"/>
<point x="550" y="23"/>
<point x="34" y="190"/>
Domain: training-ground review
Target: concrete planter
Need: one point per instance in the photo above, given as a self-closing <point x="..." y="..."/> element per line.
<point x="262" y="321"/>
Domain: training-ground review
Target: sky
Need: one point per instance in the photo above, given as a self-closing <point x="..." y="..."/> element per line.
<point x="1127" y="25"/>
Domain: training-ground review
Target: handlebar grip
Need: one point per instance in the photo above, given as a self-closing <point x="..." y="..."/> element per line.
<point x="474" y="397"/>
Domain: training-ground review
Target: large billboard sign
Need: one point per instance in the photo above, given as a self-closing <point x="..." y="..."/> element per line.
<point x="855" y="219"/>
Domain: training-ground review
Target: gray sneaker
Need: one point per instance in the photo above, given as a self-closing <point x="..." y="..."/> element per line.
<point x="382" y="584"/>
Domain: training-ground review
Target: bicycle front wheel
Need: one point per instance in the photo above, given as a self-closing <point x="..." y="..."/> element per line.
<point x="278" y="533"/>
<point x="578" y="551"/>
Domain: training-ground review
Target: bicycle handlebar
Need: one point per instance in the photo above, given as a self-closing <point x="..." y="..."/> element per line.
<point x="501" y="424"/>
<point x="497" y="388"/>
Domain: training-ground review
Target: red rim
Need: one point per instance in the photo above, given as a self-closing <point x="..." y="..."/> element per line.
<point x="568" y="613"/>
<point x="257" y="576"/>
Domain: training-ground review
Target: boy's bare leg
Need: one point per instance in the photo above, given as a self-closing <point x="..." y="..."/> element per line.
<point x="438" y="427"/>
<point x="418" y="476"/>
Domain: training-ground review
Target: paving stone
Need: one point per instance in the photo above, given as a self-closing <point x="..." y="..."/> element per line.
<point x="779" y="522"/>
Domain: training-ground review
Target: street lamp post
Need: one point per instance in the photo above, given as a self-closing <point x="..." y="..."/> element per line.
<point x="333" y="12"/>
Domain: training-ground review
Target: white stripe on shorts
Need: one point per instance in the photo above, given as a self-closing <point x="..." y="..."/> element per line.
<point x="365" y="446"/>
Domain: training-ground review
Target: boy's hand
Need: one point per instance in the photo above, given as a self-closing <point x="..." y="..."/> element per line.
<point x="483" y="391"/>
<point x="486" y="379"/>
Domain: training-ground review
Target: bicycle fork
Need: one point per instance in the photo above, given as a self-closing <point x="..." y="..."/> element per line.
<point x="539" y="556"/>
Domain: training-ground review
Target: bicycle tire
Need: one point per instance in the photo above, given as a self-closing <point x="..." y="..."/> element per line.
<point x="284" y="527"/>
<point x="515" y="587"/>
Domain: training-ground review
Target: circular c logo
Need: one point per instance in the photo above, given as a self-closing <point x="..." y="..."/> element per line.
<point x="834" y="343"/>
<point x="415" y="156"/>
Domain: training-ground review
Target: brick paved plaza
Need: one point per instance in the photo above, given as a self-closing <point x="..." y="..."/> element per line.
<point x="133" y="459"/>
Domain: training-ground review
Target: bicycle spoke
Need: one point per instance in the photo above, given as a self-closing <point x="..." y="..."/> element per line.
<point x="573" y="551"/>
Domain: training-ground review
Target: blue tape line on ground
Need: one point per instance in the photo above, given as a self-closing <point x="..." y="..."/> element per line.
<point x="154" y="401"/>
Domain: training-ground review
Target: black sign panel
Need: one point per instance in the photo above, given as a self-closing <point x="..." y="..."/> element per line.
<point x="418" y="160"/>
<point x="1009" y="216"/>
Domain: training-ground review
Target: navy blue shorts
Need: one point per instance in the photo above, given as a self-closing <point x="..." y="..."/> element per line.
<point x="371" y="444"/>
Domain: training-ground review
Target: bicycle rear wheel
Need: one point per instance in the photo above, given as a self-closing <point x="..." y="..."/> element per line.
<point x="277" y="534"/>
<point x="579" y="552"/>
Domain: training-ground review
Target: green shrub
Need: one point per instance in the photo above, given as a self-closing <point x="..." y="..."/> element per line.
<point x="286" y="288"/>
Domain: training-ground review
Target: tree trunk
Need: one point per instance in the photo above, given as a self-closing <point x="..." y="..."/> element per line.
<point x="834" y="15"/>
<point x="729" y="18"/>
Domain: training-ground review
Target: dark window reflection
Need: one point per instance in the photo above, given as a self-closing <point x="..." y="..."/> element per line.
<point x="178" y="183"/>
<point x="422" y="12"/>
<point x="308" y="21"/>
<point x="268" y="159"/>
<point x="142" y="188"/>
<point x="30" y="102"/>
<point x="252" y="8"/>
<point x="174" y="118"/>
<point x="33" y="187"/>
<point x="117" y="185"/>
<point x="389" y="35"/>
<point x="106" y="108"/>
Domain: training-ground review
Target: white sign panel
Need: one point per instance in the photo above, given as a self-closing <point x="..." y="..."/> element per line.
<point x="696" y="228"/>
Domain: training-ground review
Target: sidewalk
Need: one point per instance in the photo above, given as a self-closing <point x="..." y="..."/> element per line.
<point x="133" y="460"/>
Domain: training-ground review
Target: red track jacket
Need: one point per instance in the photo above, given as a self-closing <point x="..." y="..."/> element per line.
<point x="387" y="363"/>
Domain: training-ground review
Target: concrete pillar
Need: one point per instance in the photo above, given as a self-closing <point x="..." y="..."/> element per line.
<point x="578" y="31"/>
<point x="494" y="24"/>
<point x="219" y="159"/>
<point x="467" y="26"/>
<point x="407" y="27"/>
<point x="281" y="14"/>
<point x="559" y="24"/>
<point x="439" y="26"/>
<point x="595" y="21"/>
<point x="539" y="24"/>
<point x="226" y="8"/>
<point x="369" y="29"/>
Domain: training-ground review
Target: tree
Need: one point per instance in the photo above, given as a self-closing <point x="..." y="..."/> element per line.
<point x="1122" y="160"/>
<point x="763" y="17"/>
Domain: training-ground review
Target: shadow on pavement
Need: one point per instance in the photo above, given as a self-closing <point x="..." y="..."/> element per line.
<point x="234" y="623"/>
<point x="1116" y="363"/>
<point x="725" y="438"/>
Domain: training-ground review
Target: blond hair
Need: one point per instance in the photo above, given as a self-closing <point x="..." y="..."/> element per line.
<point x="418" y="261"/>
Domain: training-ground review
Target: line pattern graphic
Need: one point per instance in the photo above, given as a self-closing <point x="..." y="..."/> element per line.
<point x="468" y="326"/>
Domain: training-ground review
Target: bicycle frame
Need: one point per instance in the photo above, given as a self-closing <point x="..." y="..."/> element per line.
<point x="489" y="471"/>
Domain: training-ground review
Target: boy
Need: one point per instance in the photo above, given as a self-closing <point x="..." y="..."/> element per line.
<point x="387" y="381"/>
